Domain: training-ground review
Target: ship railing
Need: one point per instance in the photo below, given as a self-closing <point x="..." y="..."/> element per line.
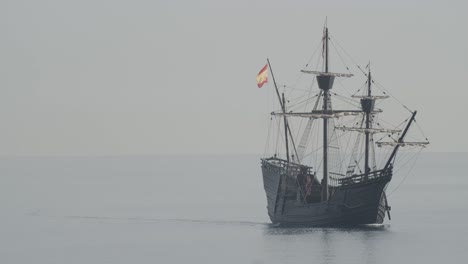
<point x="292" y="167"/>
<point x="361" y="178"/>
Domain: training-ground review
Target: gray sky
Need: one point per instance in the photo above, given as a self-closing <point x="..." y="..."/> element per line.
<point x="109" y="77"/>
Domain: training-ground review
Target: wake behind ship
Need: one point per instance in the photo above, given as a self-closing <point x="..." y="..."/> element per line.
<point x="337" y="146"/>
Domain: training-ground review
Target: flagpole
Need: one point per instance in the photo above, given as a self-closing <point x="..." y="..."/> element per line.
<point x="283" y="108"/>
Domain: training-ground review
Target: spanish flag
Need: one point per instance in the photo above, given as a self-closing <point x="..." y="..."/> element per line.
<point x="262" y="76"/>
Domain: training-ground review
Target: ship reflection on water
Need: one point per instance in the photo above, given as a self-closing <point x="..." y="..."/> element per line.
<point x="326" y="245"/>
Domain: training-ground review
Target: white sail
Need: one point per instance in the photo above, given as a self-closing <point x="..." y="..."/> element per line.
<point x="301" y="149"/>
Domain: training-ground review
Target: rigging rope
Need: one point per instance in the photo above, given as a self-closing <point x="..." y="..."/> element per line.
<point x="268" y="138"/>
<point x="420" y="130"/>
<point x="406" y="176"/>
<point x="383" y="89"/>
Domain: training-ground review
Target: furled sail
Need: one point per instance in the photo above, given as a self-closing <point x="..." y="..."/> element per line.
<point x="370" y="130"/>
<point x="370" y="96"/>
<point x="402" y="144"/>
<point x="322" y="113"/>
<point x="319" y="73"/>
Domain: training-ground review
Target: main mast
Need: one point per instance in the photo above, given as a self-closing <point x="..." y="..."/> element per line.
<point x="325" y="83"/>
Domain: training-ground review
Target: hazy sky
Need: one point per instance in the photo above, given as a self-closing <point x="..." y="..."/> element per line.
<point x="106" y="77"/>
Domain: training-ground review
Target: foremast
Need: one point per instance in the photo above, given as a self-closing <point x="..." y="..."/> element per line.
<point x="401" y="141"/>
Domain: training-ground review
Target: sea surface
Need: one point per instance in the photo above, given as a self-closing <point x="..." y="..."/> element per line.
<point x="212" y="209"/>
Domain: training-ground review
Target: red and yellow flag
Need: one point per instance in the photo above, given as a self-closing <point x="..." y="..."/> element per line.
<point x="262" y="76"/>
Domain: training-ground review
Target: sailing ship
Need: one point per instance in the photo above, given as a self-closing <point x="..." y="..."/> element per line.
<point x="353" y="178"/>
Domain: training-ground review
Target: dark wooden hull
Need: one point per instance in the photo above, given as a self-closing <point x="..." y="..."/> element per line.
<point x="353" y="204"/>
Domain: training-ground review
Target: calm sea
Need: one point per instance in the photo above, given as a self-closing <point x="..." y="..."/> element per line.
<point x="212" y="209"/>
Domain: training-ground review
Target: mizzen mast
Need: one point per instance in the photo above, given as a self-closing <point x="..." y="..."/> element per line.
<point x="367" y="104"/>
